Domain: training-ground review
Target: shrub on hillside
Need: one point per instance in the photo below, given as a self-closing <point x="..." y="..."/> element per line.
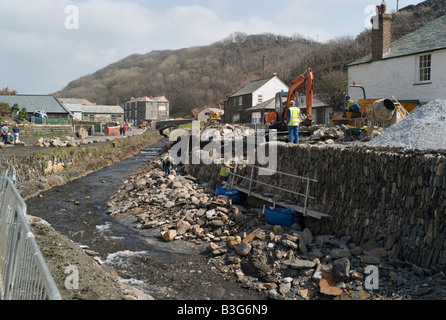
<point x="5" y="110"/>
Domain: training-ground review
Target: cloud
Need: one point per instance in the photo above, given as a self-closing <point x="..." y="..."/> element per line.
<point x="40" y="55"/>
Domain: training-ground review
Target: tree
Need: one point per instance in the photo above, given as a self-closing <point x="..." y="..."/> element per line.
<point x="23" y="114"/>
<point x="6" y="91"/>
<point x="330" y="88"/>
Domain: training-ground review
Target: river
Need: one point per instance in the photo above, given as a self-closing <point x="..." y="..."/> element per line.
<point x="177" y="270"/>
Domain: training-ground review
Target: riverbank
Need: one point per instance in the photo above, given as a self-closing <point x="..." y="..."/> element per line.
<point x="96" y="280"/>
<point x="42" y="168"/>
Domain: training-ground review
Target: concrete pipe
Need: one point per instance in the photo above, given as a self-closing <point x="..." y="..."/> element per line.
<point x="383" y="109"/>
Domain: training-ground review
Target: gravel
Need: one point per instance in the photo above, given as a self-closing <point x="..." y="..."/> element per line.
<point x="423" y="129"/>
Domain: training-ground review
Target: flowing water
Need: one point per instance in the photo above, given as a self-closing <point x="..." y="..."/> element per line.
<point x="175" y="270"/>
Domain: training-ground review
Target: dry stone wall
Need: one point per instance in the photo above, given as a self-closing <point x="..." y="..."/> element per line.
<point x="393" y="196"/>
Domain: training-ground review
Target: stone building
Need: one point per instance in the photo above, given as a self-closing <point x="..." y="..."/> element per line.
<point x="147" y="109"/>
<point x="98" y="113"/>
<point x="85" y="110"/>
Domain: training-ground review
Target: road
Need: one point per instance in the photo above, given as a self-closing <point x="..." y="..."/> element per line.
<point x="132" y="132"/>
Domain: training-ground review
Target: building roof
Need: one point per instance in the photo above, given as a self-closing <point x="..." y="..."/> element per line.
<point x="253" y="86"/>
<point x="430" y="37"/>
<point x="103" y="109"/>
<point x="302" y="103"/>
<point x="149" y="99"/>
<point x="80" y="101"/>
<point x="266" y="105"/>
<point x="73" y="107"/>
<point x="35" y="103"/>
<point x="210" y="109"/>
<point x="271" y="104"/>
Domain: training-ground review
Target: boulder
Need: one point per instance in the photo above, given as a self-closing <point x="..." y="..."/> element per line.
<point x="169" y="235"/>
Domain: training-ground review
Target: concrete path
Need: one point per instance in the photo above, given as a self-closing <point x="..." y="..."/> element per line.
<point x="134" y="131"/>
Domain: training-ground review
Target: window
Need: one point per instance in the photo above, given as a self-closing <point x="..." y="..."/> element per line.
<point x="424" y="68"/>
<point x="255" y="117"/>
<point x="240" y="100"/>
<point x="260" y="98"/>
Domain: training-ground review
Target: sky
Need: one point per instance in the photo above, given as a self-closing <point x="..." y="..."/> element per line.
<point x="45" y="44"/>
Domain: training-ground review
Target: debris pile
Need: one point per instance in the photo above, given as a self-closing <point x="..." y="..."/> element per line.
<point x="177" y="205"/>
<point x="284" y="263"/>
<point x="423" y="129"/>
<point x="326" y="135"/>
<point x="56" y="142"/>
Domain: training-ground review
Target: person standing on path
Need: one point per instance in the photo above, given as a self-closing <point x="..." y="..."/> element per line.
<point x="293" y="121"/>
<point x="167" y="165"/>
<point x="16" y="131"/>
<point x="4" y="132"/>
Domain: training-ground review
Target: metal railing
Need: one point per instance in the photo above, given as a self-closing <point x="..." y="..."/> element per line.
<point x="252" y="181"/>
<point x="24" y="274"/>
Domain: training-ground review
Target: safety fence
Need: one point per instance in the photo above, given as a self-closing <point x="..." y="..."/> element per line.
<point x="24" y="274"/>
<point x="37" y="120"/>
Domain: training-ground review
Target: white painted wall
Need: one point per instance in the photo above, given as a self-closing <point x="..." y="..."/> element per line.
<point x="269" y="90"/>
<point x="398" y="77"/>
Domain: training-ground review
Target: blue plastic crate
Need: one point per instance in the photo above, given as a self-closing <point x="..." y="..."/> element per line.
<point x="281" y="216"/>
<point x="233" y="194"/>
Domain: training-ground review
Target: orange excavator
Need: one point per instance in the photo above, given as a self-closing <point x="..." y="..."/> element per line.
<point x="277" y="119"/>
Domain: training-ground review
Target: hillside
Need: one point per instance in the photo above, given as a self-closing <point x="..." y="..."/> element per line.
<point x="193" y="78"/>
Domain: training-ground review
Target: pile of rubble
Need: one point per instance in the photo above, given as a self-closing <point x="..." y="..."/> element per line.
<point x="19" y="143"/>
<point x="314" y="134"/>
<point x="284" y="263"/>
<point x="56" y="142"/>
<point x="324" y="135"/>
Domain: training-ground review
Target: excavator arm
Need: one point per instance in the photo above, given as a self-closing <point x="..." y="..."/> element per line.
<point x="306" y="79"/>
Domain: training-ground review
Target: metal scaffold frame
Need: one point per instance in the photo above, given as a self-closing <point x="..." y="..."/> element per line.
<point x="251" y="192"/>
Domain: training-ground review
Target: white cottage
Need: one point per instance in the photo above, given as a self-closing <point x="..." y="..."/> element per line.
<point x="251" y="95"/>
<point x="410" y="68"/>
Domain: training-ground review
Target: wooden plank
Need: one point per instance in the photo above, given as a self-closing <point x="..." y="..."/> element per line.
<point x="309" y="212"/>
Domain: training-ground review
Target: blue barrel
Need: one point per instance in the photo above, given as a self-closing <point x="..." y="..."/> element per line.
<point x="278" y="215"/>
<point x="233" y="194"/>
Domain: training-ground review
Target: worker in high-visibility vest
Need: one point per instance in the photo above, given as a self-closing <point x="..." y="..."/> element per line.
<point x="352" y="105"/>
<point x="293" y="121"/>
<point x="225" y="169"/>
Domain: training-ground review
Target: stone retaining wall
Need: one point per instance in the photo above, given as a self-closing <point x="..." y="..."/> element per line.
<point x="394" y="197"/>
<point x="45" y="130"/>
<point x="56" y="166"/>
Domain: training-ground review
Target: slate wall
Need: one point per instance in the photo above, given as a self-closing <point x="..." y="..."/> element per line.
<point x="394" y="197"/>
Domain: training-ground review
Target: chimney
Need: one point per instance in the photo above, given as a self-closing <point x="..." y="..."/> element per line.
<point x="381" y="32"/>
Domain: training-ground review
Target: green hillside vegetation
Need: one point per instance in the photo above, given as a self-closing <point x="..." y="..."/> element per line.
<point x="193" y="78"/>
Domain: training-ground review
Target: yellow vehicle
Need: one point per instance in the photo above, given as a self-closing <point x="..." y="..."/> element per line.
<point x="214" y="118"/>
<point x="374" y="114"/>
<point x="142" y="124"/>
